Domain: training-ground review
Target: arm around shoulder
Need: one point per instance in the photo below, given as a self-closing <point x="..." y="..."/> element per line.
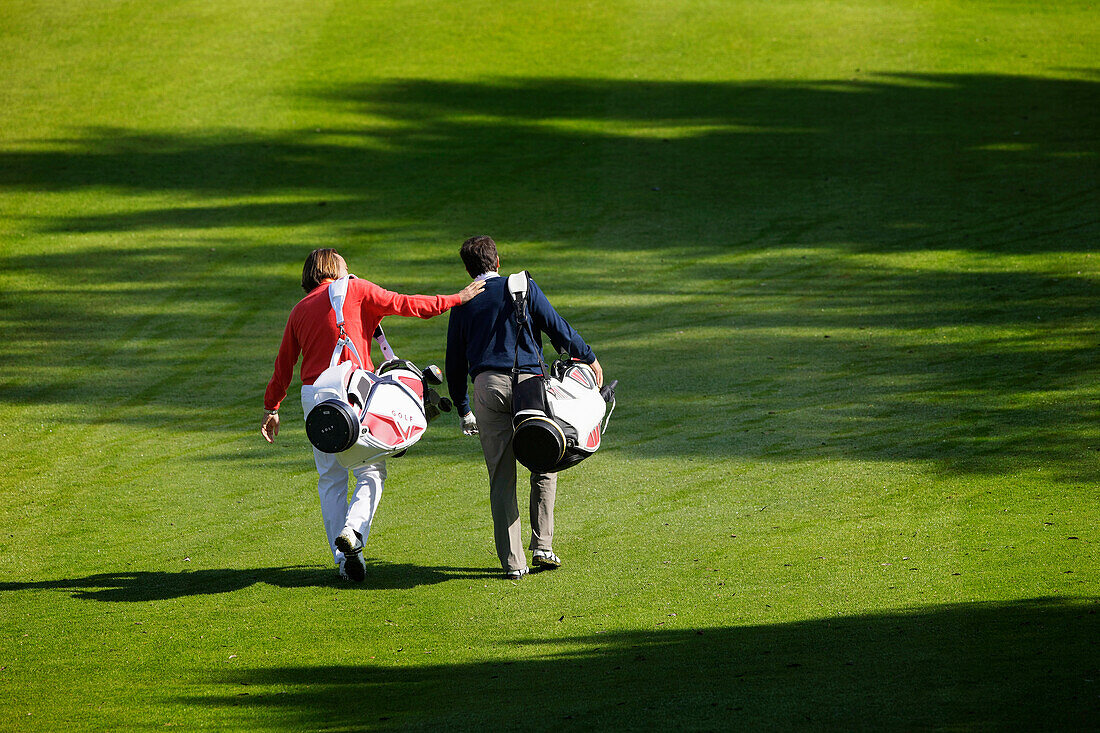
<point x="381" y="302"/>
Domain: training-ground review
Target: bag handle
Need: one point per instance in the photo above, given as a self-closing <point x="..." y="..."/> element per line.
<point x="380" y="339"/>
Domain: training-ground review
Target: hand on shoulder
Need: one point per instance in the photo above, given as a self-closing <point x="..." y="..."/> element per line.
<point x="471" y="291"/>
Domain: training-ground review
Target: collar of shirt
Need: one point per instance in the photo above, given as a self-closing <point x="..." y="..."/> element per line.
<point x="486" y="276"/>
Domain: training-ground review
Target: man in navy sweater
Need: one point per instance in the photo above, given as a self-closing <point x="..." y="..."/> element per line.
<point x="482" y="339"/>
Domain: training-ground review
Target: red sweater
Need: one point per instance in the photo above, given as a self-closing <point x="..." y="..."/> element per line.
<point x="311" y="329"/>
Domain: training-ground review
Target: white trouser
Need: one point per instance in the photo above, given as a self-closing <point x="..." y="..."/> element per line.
<point x="332" y="487"/>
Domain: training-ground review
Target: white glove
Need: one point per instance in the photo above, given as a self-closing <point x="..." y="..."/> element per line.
<point x="469" y="424"/>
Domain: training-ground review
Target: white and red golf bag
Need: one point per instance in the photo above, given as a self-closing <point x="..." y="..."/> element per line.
<point x="362" y="416"/>
<point x="558" y="416"/>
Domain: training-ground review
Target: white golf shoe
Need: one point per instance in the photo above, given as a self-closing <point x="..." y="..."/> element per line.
<point x="516" y="574"/>
<point x="545" y="559"/>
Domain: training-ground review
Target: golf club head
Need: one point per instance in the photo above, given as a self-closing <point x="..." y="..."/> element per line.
<point x="434" y="405"/>
<point x="433" y="375"/>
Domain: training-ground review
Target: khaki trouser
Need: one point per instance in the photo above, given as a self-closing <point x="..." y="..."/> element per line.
<point x="492" y="405"/>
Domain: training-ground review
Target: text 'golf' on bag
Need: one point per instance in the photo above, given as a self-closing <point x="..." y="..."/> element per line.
<point x="558" y="416"/>
<point x="362" y="416"/>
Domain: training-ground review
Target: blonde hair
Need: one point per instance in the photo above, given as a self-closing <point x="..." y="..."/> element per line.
<point x="321" y="264"/>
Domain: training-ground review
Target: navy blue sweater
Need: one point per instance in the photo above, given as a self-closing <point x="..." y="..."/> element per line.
<point x="482" y="336"/>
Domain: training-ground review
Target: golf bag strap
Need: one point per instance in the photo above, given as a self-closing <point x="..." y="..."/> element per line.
<point x="519" y="288"/>
<point x="337" y="294"/>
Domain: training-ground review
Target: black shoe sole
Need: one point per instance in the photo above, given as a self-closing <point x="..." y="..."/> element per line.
<point x="354" y="567"/>
<point x="356" y="571"/>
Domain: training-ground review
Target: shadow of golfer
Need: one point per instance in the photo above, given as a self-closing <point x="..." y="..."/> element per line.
<point x="138" y="586"/>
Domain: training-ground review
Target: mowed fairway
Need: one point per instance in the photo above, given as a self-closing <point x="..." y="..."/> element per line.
<point x="842" y="257"/>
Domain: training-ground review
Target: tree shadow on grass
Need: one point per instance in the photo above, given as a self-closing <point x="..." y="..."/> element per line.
<point x="141" y="586"/>
<point x="897" y="162"/>
<point x="736" y="211"/>
<point x="987" y="666"/>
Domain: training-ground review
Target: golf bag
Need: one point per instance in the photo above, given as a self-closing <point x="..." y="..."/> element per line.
<point x="362" y="416"/>
<point x="558" y="416"/>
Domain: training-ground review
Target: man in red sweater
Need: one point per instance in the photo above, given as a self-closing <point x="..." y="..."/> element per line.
<point x="311" y="332"/>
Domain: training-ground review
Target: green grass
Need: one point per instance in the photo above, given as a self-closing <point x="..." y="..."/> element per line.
<point x="842" y="257"/>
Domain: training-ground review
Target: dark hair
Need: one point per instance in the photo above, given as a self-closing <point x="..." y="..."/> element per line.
<point x="479" y="254"/>
<point x="321" y="264"/>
